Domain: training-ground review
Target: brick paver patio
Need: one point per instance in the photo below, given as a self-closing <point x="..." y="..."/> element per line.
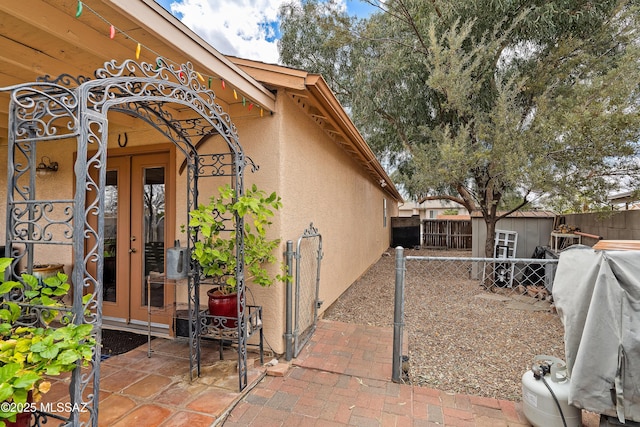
<point x="342" y="377"/>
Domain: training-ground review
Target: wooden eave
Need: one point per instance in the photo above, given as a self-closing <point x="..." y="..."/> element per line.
<point x="44" y="37"/>
<point x="312" y="94"/>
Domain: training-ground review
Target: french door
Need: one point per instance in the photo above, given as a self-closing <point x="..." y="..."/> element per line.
<point x="137" y="227"/>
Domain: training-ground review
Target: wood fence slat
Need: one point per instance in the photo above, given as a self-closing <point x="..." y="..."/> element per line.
<point x="447" y="234"/>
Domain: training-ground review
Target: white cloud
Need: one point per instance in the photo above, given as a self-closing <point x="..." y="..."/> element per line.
<point x="244" y="28"/>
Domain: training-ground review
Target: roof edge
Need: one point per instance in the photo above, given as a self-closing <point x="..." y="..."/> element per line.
<point x="155" y="19"/>
<point x="299" y="80"/>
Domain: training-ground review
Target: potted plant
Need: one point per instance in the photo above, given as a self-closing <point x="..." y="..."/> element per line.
<point x="216" y="250"/>
<point x="32" y="349"/>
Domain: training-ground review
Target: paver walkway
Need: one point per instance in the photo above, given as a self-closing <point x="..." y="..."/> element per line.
<point x="342" y="377"/>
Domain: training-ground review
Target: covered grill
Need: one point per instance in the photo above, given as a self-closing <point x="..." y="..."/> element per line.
<point x="597" y="295"/>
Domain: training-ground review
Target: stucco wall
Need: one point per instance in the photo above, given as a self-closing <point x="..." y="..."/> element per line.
<point x="321" y="184"/>
<point x="622" y="225"/>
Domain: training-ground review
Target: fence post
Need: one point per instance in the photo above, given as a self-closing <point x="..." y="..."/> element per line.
<point x="398" y="317"/>
<point x="289" y="303"/>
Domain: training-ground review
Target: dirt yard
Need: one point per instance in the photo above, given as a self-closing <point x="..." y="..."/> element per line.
<point x="460" y="338"/>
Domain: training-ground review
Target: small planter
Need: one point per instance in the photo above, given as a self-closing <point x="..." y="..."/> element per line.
<point x="45" y="271"/>
<point x="223" y="305"/>
<point x="23" y="419"/>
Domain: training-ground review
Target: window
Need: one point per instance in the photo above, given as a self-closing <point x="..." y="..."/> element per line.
<point x="384" y="213"/>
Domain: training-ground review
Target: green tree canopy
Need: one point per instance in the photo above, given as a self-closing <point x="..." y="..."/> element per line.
<point x="492" y="104"/>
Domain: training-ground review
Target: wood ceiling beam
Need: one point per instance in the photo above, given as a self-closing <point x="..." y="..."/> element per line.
<point x="30" y="62"/>
<point x="66" y="27"/>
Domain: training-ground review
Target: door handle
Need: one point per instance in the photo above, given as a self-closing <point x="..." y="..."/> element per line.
<point x="132" y="250"/>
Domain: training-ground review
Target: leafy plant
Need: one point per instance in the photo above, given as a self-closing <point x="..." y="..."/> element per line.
<point x="30" y="353"/>
<point x="216" y="248"/>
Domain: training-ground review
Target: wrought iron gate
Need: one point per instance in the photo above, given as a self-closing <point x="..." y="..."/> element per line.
<point x="307" y="287"/>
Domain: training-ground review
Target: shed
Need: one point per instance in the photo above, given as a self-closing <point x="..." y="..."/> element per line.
<point x="533" y="227"/>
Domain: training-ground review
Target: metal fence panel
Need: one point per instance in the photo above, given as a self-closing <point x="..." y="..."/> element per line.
<point x="521" y="283"/>
<point x="307" y="286"/>
<point x="508" y="276"/>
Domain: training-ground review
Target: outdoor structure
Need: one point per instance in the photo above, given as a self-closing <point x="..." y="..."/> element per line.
<point x="627" y="200"/>
<point x="429" y="209"/>
<point x="533" y="227"/>
<point x="255" y="123"/>
<point x="438" y="226"/>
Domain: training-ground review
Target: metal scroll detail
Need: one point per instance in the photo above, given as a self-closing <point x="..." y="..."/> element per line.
<point x="67" y="108"/>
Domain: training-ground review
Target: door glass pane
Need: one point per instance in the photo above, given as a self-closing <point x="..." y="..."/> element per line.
<point x="110" y="236"/>
<point x="153" y="235"/>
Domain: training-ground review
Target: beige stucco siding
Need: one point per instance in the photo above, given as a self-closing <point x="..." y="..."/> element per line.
<point x="321" y="184"/>
<point x="318" y="182"/>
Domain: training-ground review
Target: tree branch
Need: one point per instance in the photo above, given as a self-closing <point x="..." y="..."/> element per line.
<point x="522" y="204"/>
<point x="403" y="137"/>
<point x="465" y="200"/>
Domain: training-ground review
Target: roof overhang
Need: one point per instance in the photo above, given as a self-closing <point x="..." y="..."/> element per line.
<point x="313" y="95"/>
<point x="44" y="37"/>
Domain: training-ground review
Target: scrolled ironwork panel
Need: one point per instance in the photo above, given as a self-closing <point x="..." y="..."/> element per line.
<point x="44" y="111"/>
<point x="42" y="221"/>
<point x="66" y="107"/>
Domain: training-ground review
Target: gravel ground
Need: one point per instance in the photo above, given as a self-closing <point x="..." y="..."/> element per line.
<point x="459" y="340"/>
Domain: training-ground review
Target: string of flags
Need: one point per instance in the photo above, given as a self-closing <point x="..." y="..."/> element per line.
<point x="113" y="31"/>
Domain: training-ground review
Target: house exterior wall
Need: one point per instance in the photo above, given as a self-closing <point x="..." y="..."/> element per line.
<point x="321" y="184"/>
<point x="318" y="181"/>
<point x="429" y="209"/>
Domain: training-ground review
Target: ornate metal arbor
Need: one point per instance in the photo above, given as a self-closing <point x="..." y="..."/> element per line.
<point x="55" y="110"/>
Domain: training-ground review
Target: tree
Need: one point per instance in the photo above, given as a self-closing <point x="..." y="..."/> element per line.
<point x="492" y="104"/>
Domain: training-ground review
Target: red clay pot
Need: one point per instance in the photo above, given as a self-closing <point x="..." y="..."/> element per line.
<point x="225" y="305"/>
<point x="23" y="419"/>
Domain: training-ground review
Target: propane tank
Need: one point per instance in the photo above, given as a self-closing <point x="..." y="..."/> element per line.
<point x="540" y="406"/>
<point x="177" y="264"/>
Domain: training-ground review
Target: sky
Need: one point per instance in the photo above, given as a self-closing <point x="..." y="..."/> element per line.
<point x="243" y="28"/>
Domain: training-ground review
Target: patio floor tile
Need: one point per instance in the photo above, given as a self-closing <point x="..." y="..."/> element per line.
<point x="188" y="419"/>
<point x="212" y="401"/>
<point x="318" y="389"/>
<point x="114" y="407"/>
<point x="120" y="379"/>
<point x="148" y="386"/>
<point x="144" y="416"/>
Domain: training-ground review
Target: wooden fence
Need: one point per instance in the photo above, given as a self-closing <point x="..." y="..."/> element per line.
<point x="446" y="234"/>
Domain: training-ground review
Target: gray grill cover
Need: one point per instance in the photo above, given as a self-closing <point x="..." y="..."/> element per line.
<point x="597" y="295"/>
